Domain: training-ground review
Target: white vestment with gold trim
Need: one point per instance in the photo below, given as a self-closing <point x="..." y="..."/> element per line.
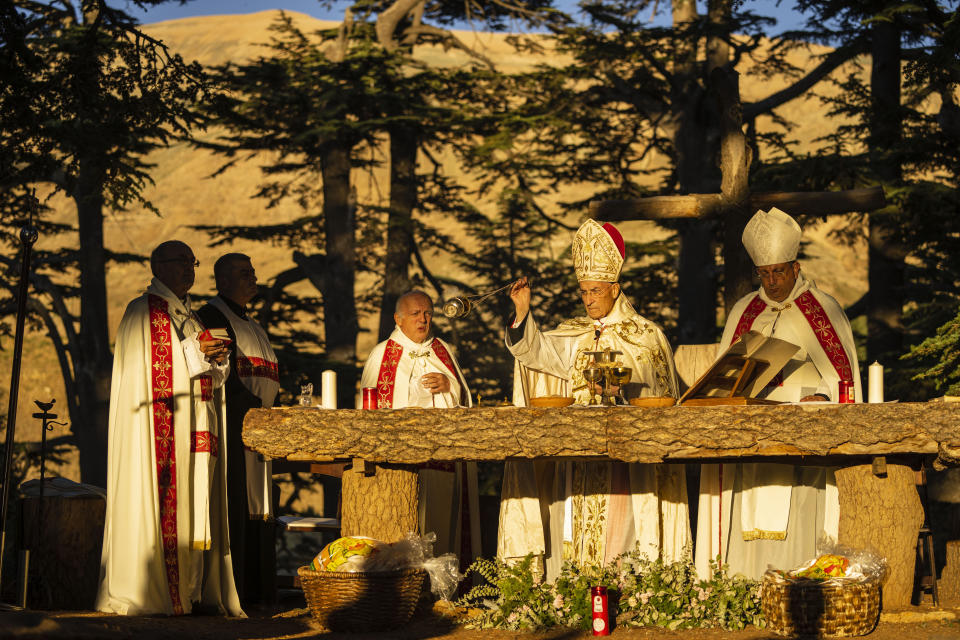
<point x="591" y="512"/>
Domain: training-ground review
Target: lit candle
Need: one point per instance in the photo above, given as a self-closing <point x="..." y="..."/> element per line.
<point x="329" y="397"/>
<point x="875" y="382"/>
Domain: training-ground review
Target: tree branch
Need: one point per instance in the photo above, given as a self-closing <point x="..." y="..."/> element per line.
<point x="389" y="20"/>
<point x="836" y="58"/>
<point x="447" y="38"/>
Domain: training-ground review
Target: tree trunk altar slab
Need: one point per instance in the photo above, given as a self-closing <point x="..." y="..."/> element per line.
<point x="883" y="513"/>
<point x="630" y="434"/>
<point x="879" y="504"/>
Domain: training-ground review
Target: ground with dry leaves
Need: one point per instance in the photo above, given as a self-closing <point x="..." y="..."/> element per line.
<point x="290" y="621"/>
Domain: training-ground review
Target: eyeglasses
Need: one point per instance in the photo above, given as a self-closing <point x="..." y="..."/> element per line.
<point x="595" y="292"/>
<point x="189" y="261"/>
<point x="778" y="273"/>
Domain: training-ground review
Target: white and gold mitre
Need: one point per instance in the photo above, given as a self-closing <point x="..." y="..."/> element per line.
<point x="596" y="254"/>
<point x="771" y="237"/>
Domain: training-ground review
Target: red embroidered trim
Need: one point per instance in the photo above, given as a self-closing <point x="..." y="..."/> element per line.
<point x="206" y="388"/>
<point x="388" y="374"/>
<point x="826" y="334"/>
<point x="754" y="309"/>
<point x="257" y="368"/>
<point x="204" y="442"/>
<point x="445" y="358"/>
<point x="163" y="435"/>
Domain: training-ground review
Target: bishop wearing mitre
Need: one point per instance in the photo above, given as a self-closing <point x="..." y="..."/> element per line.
<point x="759" y="514"/>
<point x="590" y="512"/>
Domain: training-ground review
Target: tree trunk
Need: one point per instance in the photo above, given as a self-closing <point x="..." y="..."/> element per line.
<point x="735" y="155"/>
<point x="735" y="189"/>
<point x="64" y="536"/>
<point x="339" y="304"/>
<point x="630" y="435"/>
<point x="94" y="368"/>
<point x="867" y="506"/>
<point x="383" y="505"/>
<point x="403" y="199"/>
<point x="886" y="254"/>
<point x="949" y="584"/>
<point x="694" y="148"/>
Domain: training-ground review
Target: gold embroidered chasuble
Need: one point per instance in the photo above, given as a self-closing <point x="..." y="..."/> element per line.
<point x="590" y="512"/>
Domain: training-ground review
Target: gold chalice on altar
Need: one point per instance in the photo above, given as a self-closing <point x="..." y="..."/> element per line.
<point x="597" y="371"/>
<point x="594" y="375"/>
<point x="619" y="375"/>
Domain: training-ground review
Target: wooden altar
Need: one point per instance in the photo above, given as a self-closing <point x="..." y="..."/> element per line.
<point x="878" y="446"/>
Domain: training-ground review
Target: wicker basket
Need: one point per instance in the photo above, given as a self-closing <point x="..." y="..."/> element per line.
<point x="809" y="607"/>
<point x="347" y="601"/>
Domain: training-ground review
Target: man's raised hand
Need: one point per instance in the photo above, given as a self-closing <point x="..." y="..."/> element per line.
<point x="520" y="294"/>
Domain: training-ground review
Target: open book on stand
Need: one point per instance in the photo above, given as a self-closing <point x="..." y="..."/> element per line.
<point x="741" y="372"/>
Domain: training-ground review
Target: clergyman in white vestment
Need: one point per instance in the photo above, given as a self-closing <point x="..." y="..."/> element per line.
<point x="253" y="382"/>
<point x="165" y="542"/>
<point x="412" y="368"/>
<point x="590" y="512"/>
<point x="759" y="514"/>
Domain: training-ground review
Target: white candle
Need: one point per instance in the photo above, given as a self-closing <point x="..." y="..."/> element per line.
<point x="875" y="382"/>
<point x="329" y="398"/>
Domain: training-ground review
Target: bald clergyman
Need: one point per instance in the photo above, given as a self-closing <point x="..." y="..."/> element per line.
<point x="414" y="368"/>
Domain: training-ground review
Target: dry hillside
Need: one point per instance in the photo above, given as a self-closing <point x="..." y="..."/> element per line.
<point x="186" y="195"/>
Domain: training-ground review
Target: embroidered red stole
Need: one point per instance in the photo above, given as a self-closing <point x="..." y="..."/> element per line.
<point x="827" y="336"/>
<point x="754" y="309"/>
<point x="163" y="435"/>
<point x="204" y="442"/>
<point x="445" y="358"/>
<point x="387" y="376"/>
<point x="257" y="368"/>
<point x="816" y="317"/>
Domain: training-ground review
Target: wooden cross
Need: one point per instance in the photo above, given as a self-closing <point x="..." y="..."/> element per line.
<point x="735" y="203"/>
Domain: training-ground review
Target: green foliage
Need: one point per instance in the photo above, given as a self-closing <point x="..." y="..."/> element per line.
<point x="942" y="353"/>
<point x="646" y="593"/>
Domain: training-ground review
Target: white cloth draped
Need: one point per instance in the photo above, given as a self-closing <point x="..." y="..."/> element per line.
<point x="151" y="564"/>
<point x="777" y="512"/>
<point x="591" y="512"/>
<point x="254" y="352"/>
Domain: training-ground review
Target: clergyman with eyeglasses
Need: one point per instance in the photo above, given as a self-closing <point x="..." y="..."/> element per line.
<point x="590" y="512"/>
<point x="754" y="515"/>
<point x="166" y="548"/>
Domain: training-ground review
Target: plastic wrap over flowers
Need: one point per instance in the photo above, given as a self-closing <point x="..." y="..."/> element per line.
<point x="836" y="564"/>
<point x="357" y="553"/>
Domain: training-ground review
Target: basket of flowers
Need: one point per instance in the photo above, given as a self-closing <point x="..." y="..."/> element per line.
<point x="829" y="596"/>
<point x="362" y="584"/>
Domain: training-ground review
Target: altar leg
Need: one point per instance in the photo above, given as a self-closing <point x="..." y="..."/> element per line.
<point x="381" y="505"/>
<point x="883" y="514"/>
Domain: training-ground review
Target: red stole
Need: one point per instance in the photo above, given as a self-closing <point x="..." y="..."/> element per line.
<point x="163" y="436"/>
<point x="755" y="308"/>
<point x="387" y="376"/>
<point x="257" y="368"/>
<point x="827" y="336"/>
<point x="816" y="317"/>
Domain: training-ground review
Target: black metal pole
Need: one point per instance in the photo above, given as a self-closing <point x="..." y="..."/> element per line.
<point x="28" y="235"/>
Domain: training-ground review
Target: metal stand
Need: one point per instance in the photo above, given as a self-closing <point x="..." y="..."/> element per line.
<point x="48" y="420"/>
<point x="28" y="236"/>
